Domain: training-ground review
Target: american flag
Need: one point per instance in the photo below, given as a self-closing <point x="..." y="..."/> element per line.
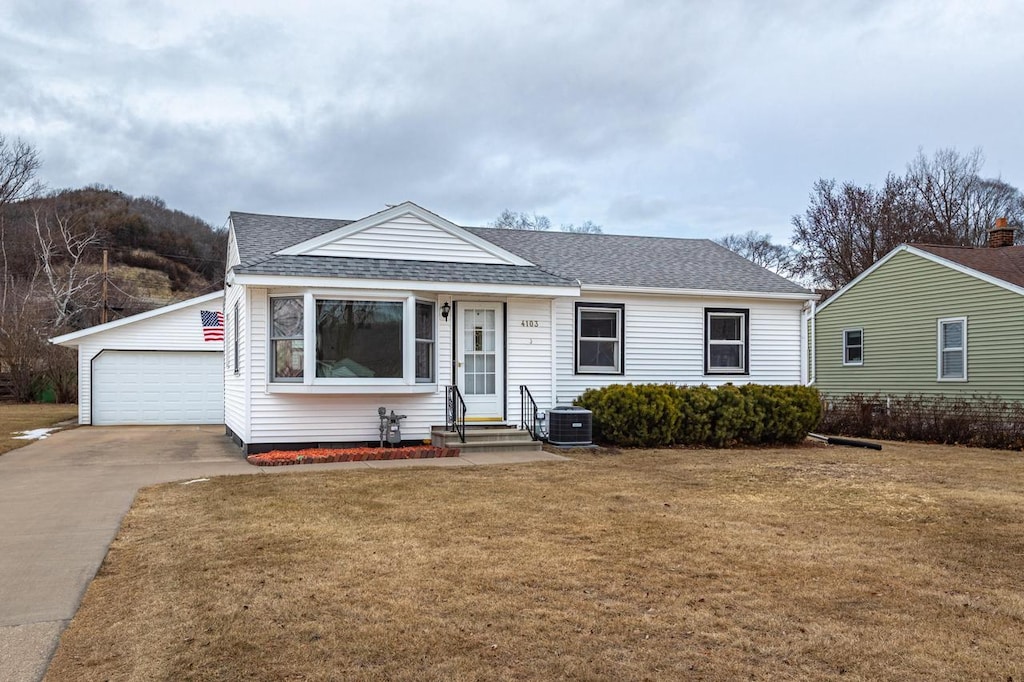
<point x="213" y="325"/>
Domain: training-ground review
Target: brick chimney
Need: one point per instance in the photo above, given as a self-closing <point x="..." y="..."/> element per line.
<point x="1001" y="235"/>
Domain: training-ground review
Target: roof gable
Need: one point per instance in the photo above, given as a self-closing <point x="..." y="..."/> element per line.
<point x="73" y="338"/>
<point x="932" y="253"/>
<point x="405" y="232"/>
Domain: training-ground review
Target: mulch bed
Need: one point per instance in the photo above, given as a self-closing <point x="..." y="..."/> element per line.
<point x="324" y="455"/>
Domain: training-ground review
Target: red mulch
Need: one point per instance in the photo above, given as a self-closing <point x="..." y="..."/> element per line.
<point x="323" y="455"/>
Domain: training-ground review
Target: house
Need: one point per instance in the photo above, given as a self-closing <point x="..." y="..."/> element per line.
<point x="164" y="366"/>
<point x="327" y="320"/>
<point x="927" y="320"/>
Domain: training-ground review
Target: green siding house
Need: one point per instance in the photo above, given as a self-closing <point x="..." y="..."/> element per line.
<point x="926" y="320"/>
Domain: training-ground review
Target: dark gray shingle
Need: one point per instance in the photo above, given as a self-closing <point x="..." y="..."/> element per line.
<point x="560" y="257"/>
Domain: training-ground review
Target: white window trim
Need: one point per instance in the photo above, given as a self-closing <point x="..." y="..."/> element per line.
<point x="433" y="342"/>
<point x="845" y="346"/>
<point x="271" y="356"/>
<point x="619" y="333"/>
<point x="744" y="317"/>
<point x="312" y="383"/>
<point x="234" y="336"/>
<point x="939" y="348"/>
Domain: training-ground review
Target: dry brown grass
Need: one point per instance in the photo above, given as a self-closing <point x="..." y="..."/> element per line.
<point x="15" y="418"/>
<point x="813" y="562"/>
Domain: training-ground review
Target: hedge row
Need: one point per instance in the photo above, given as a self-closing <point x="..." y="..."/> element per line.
<point x="652" y="415"/>
<point x="984" y="421"/>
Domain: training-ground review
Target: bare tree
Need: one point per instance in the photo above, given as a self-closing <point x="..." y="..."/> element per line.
<point x="847" y="228"/>
<point x="62" y="250"/>
<point x="19" y="162"/>
<point x="511" y="220"/>
<point x="759" y="248"/>
<point x="586" y="227"/>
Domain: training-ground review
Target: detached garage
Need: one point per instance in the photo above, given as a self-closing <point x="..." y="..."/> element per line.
<point x="165" y="366"/>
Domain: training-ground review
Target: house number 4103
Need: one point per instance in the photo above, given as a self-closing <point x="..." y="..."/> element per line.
<point x="529" y="323"/>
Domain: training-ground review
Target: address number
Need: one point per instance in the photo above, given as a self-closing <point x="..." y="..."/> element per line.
<point x="529" y="323"/>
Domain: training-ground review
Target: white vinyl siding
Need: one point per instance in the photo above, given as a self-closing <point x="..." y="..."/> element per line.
<point x="664" y="343"/>
<point x="407" y="238"/>
<point x="180" y="330"/>
<point x="235" y="382"/>
<point x="529" y="353"/>
<point x="952" y="343"/>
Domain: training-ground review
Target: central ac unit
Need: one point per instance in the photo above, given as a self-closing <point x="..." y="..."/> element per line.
<point x="570" y="426"/>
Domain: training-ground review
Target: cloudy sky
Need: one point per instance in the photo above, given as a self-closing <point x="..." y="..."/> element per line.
<point x="679" y="118"/>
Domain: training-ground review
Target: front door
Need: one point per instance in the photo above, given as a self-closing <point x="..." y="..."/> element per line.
<point x="480" y="360"/>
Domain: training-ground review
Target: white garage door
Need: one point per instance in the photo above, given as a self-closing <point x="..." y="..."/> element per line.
<point x="158" y="387"/>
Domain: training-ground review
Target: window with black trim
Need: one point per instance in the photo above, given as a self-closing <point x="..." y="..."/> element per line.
<point x="599" y="338"/>
<point x="726" y="334"/>
<point x="853" y="346"/>
<point x="286" y="339"/>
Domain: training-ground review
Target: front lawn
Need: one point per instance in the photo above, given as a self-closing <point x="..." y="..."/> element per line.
<point x="812" y="562"/>
<point x="15" y="418"/>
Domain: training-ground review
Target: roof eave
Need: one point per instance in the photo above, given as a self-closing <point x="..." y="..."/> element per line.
<point x="716" y="293"/>
<point x="541" y="290"/>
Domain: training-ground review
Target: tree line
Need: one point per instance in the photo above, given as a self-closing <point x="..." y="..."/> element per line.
<point x="940" y="199"/>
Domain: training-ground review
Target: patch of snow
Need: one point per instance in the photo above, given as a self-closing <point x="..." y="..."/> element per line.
<point x="194" y="480"/>
<point x="36" y="434"/>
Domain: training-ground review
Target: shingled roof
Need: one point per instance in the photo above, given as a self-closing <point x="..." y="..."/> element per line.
<point x="560" y="258"/>
<point x="1005" y="263"/>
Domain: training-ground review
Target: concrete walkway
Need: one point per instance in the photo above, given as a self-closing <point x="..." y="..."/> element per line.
<point x="62" y="500"/>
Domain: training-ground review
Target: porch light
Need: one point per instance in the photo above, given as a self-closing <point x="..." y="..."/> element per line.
<point x="445" y="309"/>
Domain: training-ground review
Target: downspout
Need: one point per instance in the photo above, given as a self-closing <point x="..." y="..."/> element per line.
<point x="814" y="345"/>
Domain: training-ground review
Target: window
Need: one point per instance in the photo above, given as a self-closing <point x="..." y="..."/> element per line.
<point x="853" y="346"/>
<point x="234" y="334"/>
<point x="725" y="340"/>
<point x="286" y="339"/>
<point x="425" y="360"/>
<point x="953" y="349"/>
<point x="599" y="346"/>
<point x="359" y="339"/>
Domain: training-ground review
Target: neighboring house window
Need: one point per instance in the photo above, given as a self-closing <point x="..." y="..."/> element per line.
<point x="599" y="338"/>
<point x="425" y="358"/>
<point x="359" y="339"/>
<point x="286" y="339"/>
<point x="726" y="331"/>
<point x="234" y="333"/>
<point x="853" y="346"/>
<point x="953" y="349"/>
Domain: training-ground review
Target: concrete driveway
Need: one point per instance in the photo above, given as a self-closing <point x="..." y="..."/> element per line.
<point x="61" y="503"/>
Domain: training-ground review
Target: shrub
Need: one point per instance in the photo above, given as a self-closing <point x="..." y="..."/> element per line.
<point x="984" y="421"/>
<point x="653" y="415"/>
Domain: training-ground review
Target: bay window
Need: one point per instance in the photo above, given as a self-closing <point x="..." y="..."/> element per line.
<point x="353" y="341"/>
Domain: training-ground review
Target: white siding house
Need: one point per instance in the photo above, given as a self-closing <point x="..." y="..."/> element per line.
<point x="327" y="320"/>
<point x="157" y="367"/>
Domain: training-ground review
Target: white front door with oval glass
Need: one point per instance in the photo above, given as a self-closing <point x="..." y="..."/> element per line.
<point x="480" y="360"/>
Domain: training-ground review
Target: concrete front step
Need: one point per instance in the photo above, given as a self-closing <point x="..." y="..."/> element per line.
<point x="486" y="440"/>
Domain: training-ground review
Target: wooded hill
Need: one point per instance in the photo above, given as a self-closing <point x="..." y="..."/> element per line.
<point x="156" y="255"/>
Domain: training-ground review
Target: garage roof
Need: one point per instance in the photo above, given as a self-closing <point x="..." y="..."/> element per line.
<point x="74" y="338"/>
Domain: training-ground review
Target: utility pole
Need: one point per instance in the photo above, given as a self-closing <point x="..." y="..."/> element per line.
<point x="103" y="312"/>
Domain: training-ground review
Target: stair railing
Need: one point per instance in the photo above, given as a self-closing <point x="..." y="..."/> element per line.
<point x="528" y="412"/>
<point x="455" y="412"/>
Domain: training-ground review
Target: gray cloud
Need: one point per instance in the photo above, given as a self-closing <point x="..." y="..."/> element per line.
<point x="657" y="118"/>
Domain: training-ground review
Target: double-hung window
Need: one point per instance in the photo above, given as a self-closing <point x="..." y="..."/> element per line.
<point x="726" y="347"/>
<point x="426" y="358"/>
<point x="599" y="338"/>
<point x="952" y="344"/>
<point x="853" y="346"/>
<point x="287" y="349"/>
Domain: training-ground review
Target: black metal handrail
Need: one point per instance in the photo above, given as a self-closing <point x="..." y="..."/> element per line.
<point x="455" y="412"/>
<point x="528" y="417"/>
